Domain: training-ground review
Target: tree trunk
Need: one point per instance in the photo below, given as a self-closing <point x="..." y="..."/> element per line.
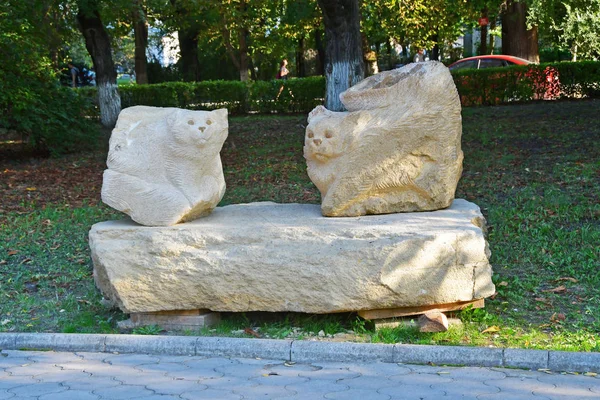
<point x="300" y="62"/>
<point x="344" y="59"/>
<point x="516" y="39"/>
<point x="388" y="48"/>
<point x="188" y="52"/>
<point x="435" y="52"/>
<point x="188" y="44"/>
<point x="369" y="57"/>
<point x="243" y="40"/>
<point x="140" y="30"/>
<point x="492" y="42"/>
<point x="320" y="52"/>
<point x="97" y="43"/>
<point x="484" y="33"/>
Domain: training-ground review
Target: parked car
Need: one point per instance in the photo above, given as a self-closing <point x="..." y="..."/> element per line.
<point x="491" y="61"/>
<point x="545" y="87"/>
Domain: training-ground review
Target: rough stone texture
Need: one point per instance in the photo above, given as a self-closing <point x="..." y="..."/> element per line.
<point x="287" y="257"/>
<point x="164" y="165"/>
<point x="433" y="321"/>
<point x="396" y="150"/>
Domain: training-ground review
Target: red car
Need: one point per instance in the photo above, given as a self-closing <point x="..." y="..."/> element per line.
<point x="546" y="86"/>
<point x="493" y="61"/>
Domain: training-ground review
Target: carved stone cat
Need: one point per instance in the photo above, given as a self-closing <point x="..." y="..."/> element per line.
<point x="164" y="165"/>
<point x="400" y="152"/>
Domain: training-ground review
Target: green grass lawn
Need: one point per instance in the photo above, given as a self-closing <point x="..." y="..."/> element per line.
<point x="534" y="169"/>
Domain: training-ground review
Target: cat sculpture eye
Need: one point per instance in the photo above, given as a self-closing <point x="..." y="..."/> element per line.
<point x="328" y="134"/>
<point x="311" y="135"/>
<point x="191" y="122"/>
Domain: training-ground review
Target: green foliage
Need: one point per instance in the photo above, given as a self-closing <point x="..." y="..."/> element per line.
<point x="32" y="103"/>
<point x="528" y="82"/>
<point x="298" y="95"/>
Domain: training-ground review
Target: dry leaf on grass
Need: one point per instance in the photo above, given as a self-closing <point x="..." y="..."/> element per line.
<point x="491" y="329"/>
<point x="559" y="289"/>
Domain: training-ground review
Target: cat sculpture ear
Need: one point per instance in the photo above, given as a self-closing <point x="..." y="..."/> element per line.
<point x="318" y="110"/>
<point x="174" y="116"/>
<point x="220" y="114"/>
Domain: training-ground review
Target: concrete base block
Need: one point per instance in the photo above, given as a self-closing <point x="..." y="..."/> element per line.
<point x="176" y="320"/>
<point x="288" y="257"/>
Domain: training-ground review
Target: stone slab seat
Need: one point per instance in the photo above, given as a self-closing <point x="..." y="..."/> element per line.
<point x="287" y="257"/>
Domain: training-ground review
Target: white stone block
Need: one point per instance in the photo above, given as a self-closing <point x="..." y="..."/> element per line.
<point x="287" y="257"/>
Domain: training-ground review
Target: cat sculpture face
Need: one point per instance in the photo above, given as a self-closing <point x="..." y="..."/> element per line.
<point x="199" y="128"/>
<point x="323" y="141"/>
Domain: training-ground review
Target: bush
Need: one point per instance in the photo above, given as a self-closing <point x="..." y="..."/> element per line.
<point x="528" y="82"/>
<point x="52" y="118"/>
<point x="298" y="95"/>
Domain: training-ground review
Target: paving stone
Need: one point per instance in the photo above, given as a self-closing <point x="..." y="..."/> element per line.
<point x="287" y="369"/>
<point x="162" y="368"/>
<point x="517" y="373"/>
<point x="10" y="382"/>
<point x="31" y="369"/>
<point x="5" y="395"/>
<point x="195" y="374"/>
<point x="124" y="392"/>
<point x="458" y="388"/>
<point x="368" y="382"/>
<point x="369" y="368"/>
<point x="468" y="373"/>
<point x="166" y="385"/>
<point x="263" y="391"/>
<point x="71" y="395"/>
<point x="243" y="371"/>
<point x="92" y="356"/>
<point x="255" y="361"/>
<point x="510" y="387"/>
<point x="162" y="358"/>
<point x="246" y="348"/>
<point x="90" y="383"/>
<point x="61" y="375"/>
<point x="318" y="387"/>
<point x="410" y="392"/>
<point x="210" y="363"/>
<point x="513" y="396"/>
<point x="210" y="394"/>
<point x="226" y="382"/>
<point x="362" y="394"/>
<point x="38" y="389"/>
<point x="421" y="379"/>
<point x="279" y="380"/>
<point x="570" y="381"/>
<point x="131" y="360"/>
<point x="160" y="397"/>
<point x="139" y="378"/>
<point x="332" y="374"/>
<point x="52" y="357"/>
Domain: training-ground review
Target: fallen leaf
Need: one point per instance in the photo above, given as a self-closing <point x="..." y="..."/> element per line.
<point x="543" y="300"/>
<point x="566" y="278"/>
<point x="503" y="283"/>
<point x="13" y="252"/>
<point x="590" y="374"/>
<point x="558" y="317"/>
<point x="250" y="331"/>
<point x="289" y="363"/>
<point x="545" y="370"/>
<point x="30" y="189"/>
<point x="491" y="329"/>
<point x="559" y="289"/>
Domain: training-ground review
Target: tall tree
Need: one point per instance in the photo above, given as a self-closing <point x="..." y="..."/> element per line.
<point x="188" y="31"/>
<point x="98" y="45"/>
<point x="517" y="39"/>
<point x="344" y="66"/>
<point x="140" y="31"/>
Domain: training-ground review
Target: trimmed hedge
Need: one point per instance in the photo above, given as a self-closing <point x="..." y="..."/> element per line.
<point x="492" y="86"/>
<point x="300" y="95"/>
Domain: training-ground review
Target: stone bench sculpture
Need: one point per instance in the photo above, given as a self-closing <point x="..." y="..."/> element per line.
<point x="395" y="153"/>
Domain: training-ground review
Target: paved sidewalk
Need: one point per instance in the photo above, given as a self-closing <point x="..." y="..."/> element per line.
<point x="72" y="375"/>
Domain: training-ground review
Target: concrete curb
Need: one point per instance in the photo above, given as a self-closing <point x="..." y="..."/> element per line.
<point x="304" y="351"/>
